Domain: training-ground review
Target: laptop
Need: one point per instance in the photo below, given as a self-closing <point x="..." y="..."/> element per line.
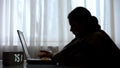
<point x="29" y="59"/>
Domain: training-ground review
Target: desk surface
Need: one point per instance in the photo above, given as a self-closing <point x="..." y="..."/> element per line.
<point x="25" y="65"/>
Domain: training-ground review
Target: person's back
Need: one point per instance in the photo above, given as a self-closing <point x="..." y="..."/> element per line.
<point x="104" y="52"/>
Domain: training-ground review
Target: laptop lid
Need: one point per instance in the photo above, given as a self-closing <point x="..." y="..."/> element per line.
<point x="25" y="49"/>
<point x="23" y="43"/>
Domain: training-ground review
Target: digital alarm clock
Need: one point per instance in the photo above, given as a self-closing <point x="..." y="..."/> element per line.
<point x="13" y="58"/>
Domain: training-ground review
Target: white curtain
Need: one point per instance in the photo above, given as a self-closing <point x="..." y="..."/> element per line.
<point x="45" y="24"/>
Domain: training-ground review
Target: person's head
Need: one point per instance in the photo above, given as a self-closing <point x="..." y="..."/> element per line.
<point x="82" y="22"/>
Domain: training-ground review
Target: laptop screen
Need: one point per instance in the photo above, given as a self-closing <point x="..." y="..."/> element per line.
<point x="23" y="43"/>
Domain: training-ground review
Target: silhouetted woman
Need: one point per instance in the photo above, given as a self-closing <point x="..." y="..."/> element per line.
<point x="91" y="47"/>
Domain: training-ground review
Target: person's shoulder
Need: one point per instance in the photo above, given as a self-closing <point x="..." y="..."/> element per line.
<point x="96" y="37"/>
<point x="99" y="34"/>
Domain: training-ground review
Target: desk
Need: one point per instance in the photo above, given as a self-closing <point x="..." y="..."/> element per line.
<point x="25" y="65"/>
